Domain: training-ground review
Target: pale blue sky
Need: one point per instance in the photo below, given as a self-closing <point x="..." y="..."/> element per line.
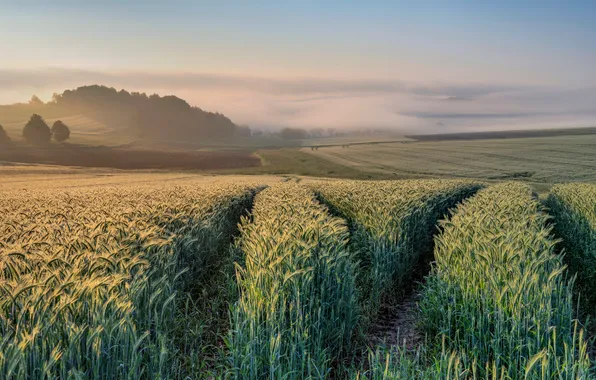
<point x="240" y="47"/>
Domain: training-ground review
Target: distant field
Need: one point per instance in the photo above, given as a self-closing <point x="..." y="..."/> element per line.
<point x="505" y="134"/>
<point x="545" y="160"/>
<point x="347" y="140"/>
<point x="37" y="177"/>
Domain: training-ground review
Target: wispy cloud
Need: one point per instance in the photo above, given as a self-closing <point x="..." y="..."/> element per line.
<point x="10" y="78"/>
<point x="316" y="102"/>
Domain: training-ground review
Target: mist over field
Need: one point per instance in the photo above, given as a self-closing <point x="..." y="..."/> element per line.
<point x="426" y="68"/>
<point x="274" y="102"/>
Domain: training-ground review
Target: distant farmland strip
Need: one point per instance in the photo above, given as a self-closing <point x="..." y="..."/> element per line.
<point x="498" y="295"/>
<point x="573" y="207"/>
<point x="106" y="157"/>
<point x="392" y="226"/>
<point x="488" y="159"/>
<point x="505" y="134"/>
<point x="298" y="305"/>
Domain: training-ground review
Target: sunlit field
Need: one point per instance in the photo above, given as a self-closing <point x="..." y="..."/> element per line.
<point x="298" y="190"/>
<point x="147" y="275"/>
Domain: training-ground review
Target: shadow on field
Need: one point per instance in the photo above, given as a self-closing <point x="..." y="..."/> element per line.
<point x="396" y="322"/>
<point x="124" y="158"/>
<point x="208" y="289"/>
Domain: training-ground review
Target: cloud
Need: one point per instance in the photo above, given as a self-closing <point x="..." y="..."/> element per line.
<point x="432" y="115"/>
<point x="10" y="78"/>
<point x="333" y="102"/>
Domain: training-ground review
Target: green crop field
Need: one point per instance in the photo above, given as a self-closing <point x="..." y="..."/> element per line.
<point x="542" y="160"/>
<point x="119" y="275"/>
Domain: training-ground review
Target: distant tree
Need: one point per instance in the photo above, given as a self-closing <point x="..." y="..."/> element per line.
<point x="36" y="131"/>
<point x="243" y="130"/>
<point x="293" y="133"/>
<point x="60" y="131"/>
<point x="148" y="116"/>
<point x="35" y="101"/>
<point x="4" y="139"/>
<point x="316" y="132"/>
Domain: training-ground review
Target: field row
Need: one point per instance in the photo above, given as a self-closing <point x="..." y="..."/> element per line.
<point x="196" y="280"/>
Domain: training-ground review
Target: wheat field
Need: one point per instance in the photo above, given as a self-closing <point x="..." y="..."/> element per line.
<point x="171" y="276"/>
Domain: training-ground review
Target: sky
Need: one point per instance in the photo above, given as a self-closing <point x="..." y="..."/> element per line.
<point x="426" y="66"/>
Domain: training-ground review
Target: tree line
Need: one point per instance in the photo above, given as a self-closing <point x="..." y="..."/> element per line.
<point x="37" y="132"/>
<point x="149" y="116"/>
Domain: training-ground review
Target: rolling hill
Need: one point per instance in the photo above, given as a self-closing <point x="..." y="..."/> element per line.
<point x="102" y="115"/>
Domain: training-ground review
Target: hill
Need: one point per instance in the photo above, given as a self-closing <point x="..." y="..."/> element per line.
<point x="99" y="114"/>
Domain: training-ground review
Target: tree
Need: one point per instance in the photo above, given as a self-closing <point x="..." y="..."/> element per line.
<point x="316" y="132"/>
<point x="60" y="131"/>
<point x="243" y="130"/>
<point x="149" y="116"/>
<point x="293" y="133"/>
<point x="35" y="101"/>
<point x="36" y="131"/>
<point x="4" y="139"/>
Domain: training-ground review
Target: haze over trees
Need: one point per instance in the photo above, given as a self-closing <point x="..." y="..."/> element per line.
<point x="4" y="139"/>
<point x="293" y="133"/>
<point x="36" y="131"/>
<point x="128" y="116"/>
<point x="35" y="101"/>
<point x="60" y="131"/>
<point x="151" y="117"/>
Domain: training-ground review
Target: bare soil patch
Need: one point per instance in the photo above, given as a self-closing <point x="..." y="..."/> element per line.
<point x="397" y="324"/>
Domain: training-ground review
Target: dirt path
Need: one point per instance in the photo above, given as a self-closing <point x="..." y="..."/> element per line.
<point x="396" y="324"/>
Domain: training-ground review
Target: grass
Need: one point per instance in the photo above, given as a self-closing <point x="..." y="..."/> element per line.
<point x="293" y="161"/>
<point x="353" y="139"/>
